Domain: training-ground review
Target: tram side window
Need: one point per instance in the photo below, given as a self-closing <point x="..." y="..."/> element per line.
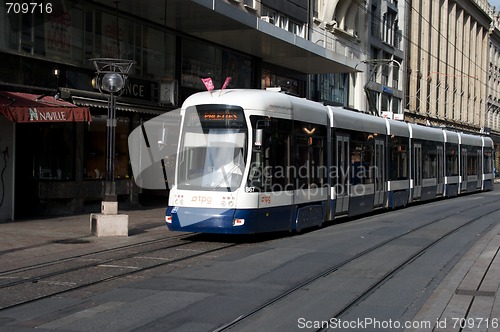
<point x="269" y="168"/>
<point x="310" y="155"/>
<point x="451" y="159"/>
<point x="399" y="158"/>
<point x="429" y="159"/>
<point x="362" y="158"/>
<point x="472" y="161"/>
<point x="488" y="161"/>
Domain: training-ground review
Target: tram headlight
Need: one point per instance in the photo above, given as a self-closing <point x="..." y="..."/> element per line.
<point x="238" y="222"/>
<point x="168" y="219"/>
<point x="179" y="200"/>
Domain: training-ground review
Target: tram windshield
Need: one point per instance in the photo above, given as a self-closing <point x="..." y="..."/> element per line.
<point x="213" y="148"/>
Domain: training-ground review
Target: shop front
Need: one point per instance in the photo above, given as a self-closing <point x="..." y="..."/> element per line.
<point x="40" y="135"/>
<point x="60" y="156"/>
<point x="55" y="152"/>
<point x="132" y="110"/>
<point x="6" y="168"/>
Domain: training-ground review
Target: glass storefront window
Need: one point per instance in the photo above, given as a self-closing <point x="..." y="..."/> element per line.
<point x="287" y="84"/>
<point x="53" y="150"/>
<point x="153" y="52"/>
<point x="122" y="170"/>
<point x="95" y="149"/>
<point x="239" y="68"/>
<point x="113" y="38"/>
<point x="200" y="60"/>
<point x="8" y="30"/>
<point x="332" y="88"/>
<point x="396" y="105"/>
<point x="75" y="32"/>
<point x="385" y="104"/>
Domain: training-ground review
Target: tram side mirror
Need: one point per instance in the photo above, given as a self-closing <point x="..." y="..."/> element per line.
<point x="258" y="137"/>
<point x="162" y="138"/>
<point x="153" y="150"/>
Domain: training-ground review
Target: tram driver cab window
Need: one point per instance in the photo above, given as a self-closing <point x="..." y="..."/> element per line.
<point x="269" y="168"/>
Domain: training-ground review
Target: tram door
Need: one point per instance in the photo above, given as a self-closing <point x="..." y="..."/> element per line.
<point x="463" y="169"/>
<point x="479" y="167"/>
<point x="417" y="170"/>
<point x="440" y="170"/>
<point x="379" y="173"/>
<point x="342" y="186"/>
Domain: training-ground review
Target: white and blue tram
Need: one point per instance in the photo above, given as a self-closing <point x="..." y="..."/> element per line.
<point x="253" y="161"/>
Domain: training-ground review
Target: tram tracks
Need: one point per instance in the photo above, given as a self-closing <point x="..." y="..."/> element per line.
<point x="59" y="284"/>
<point x="390" y="274"/>
<point x="92" y="253"/>
<point x="32" y="283"/>
<point x="343" y="309"/>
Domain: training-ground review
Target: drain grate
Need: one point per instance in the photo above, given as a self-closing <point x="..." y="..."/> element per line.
<point x="72" y="241"/>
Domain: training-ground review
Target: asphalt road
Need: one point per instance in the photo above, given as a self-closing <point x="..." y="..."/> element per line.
<point x="381" y="267"/>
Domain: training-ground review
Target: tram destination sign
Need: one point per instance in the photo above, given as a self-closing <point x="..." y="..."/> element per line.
<point x="218" y="117"/>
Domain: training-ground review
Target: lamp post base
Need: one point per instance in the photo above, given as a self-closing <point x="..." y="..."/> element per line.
<point x="108" y="224"/>
<point x="109" y="207"/>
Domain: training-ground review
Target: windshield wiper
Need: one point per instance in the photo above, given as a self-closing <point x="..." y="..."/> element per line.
<point x="225" y="176"/>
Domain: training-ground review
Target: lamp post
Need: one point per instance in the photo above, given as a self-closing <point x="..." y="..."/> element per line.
<point x="111" y="77"/>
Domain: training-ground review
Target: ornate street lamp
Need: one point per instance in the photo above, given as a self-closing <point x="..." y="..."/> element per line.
<point x="111" y="78"/>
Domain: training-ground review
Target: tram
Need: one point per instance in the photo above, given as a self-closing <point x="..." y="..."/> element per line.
<point x="252" y="161"/>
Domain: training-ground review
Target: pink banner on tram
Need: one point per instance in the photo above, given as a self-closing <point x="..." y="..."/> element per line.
<point x="226" y="82"/>
<point x="208" y="83"/>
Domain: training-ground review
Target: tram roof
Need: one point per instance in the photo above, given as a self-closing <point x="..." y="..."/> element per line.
<point x="451" y="137"/>
<point x="426" y="133"/>
<point x="397" y="128"/>
<point x="488" y="142"/>
<point x="351" y="120"/>
<point x="262" y="100"/>
<point x="469" y="139"/>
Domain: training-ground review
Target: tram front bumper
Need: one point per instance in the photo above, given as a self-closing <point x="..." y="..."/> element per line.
<point x="207" y="220"/>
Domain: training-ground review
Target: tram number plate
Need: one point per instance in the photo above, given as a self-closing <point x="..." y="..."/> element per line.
<point x="250" y="189"/>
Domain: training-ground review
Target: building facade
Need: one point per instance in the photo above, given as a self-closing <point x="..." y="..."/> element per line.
<point x="492" y="124"/>
<point x="59" y="167"/>
<point x="386" y="75"/>
<point x="452" y="66"/>
<point x="339" y="52"/>
<point x="447" y="64"/>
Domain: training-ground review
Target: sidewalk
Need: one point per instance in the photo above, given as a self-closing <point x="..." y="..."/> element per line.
<point x="469" y="297"/>
<point x="34" y="241"/>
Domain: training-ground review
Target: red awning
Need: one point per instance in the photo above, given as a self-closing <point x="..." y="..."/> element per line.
<point x="25" y="107"/>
